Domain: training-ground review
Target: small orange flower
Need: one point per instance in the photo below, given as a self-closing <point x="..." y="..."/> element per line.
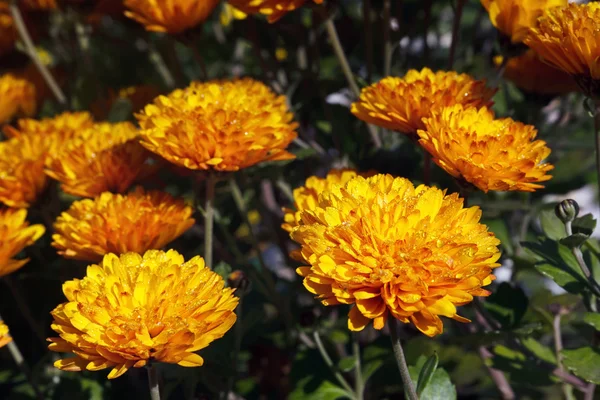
<point x="492" y="154"/>
<point x="400" y="104"/>
<point x="172" y="16"/>
<point x="105" y="157"/>
<point x="17" y="98"/>
<point x="219" y="125"/>
<point x="114" y="223"/>
<point x="132" y="310"/>
<point x="388" y="248"/>
<point x="274" y="9"/>
<point x="15" y="235"/>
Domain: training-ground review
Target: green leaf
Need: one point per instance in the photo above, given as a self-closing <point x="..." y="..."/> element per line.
<point x="223" y="269"/>
<point x="507" y="305"/>
<point x="551" y="225"/>
<point x="500" y="229"/>
<point x="339" y="336"/>
<point x="575" y="240"/>
<point x="583" y="362"/>
<point x="564" y="279"/>
<point x="592" y="319"/>
<point x="440" y="386"/>
<point x="121" y="110"/>
<point x="427" y="372"/>
<point x="305" y="153"/>
<point x="347" y="364"/>
<point x="584" y="224"/>
<point x="539" y="350"/>
<point x="325" y="391"/>
<point x="521" y="370"/>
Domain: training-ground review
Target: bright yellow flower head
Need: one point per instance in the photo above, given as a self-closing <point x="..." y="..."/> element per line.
<point x="17" y="98"/>
<point x="491" y="154"/>
<point x="274" y="9"/>
<point x="4" y="334"/>
<point x="132" y="310"/>
<point x="220" y="125"/>
<point x="172" y="16"/>
<point x="8" y="32"/>
<point x="569" y="38"/>
<point x="400" y="103"/>
<point x="66" y="125"/>
<point x="114" y="223"/>
<point x="105" y="157"/>
<point x="15" y="235"/>
<point x="392" y="249"/>
<point x="528" y="72"/>
<point x="514" y="17"/>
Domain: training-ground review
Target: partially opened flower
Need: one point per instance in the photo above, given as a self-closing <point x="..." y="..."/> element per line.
<point x="513" y="18"/>
<point x="569" y="38"/>
<point x="115" y="223"/>
<point x="219" y="125"/>
<point x="66" y="126"/>
<point x="4" y="334"/>
<point x="132" y="310"/>
<point x="105" y="157"/>
<point x="489" y="153"/>
<point x="15" y="235"/>
<point x="390" y="249"/>
<point x="401" y="103"/>
<point x="528" y="72"/>
<point x="274" y="9"/>
<point x="17" y="98"/>
<point x="8" y="32"/>
<point x="172" y="16"/>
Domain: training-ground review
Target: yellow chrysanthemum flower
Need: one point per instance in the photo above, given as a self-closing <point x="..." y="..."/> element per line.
<point x="220" y="125"/>
<point x="8" y="32"/>
<point x="401" y="103"/>
<point x="274" y="9"/>
<point x="114" y="223"/>
<point x="4" y="334"/>
<point x="389" y="248"/>
<point x="66" y="125"/>
<point x="105" y="158"/>
<point x="491" y="154"/>
<point x="528" y="72"/>
<point x="17" y="98"/>
<point x="132" y="310"/>
<point x="513" y="18"/>
<point x="569" y="38"/>
<point x="15" y="235"/>
<point x="172" y="16"/>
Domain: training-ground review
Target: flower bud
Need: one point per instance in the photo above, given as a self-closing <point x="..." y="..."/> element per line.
<point x="567" y="210"/>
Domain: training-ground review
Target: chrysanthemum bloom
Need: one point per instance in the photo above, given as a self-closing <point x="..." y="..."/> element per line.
<point x="17" y="98"/>
<point x="513" y="18"/>
<point x="172" y="16"/>
<point x="400" y="103"/>
<point x="115" y="223"/>
<point x="389" y="248"/>
<point x="491" y="154"/>
<point x="528" y="72"/>
<point x="569" y="38"/>
<point x="104" y="158"/>
<point x="132" y="310"/>
<point x="66" y="125"/>
<point x="15" y="235"/>
<point x="219" y="125"/>
<point x="274" y="9"/>
<point x="4" y="335"/>
<point x="8" y="32"/>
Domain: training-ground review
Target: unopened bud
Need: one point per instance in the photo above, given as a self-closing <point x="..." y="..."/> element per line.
<point x="567" y="210"/>
<point x="238" y="280"/>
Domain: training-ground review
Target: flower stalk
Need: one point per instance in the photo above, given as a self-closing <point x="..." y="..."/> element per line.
<point x="359" y="384"/>
<point x="209" y="216"/>
<point x="340" y="378"/>
<point x="153" y="382"/>
<point x="409" y="386"/>
<point x="597" y="138"/>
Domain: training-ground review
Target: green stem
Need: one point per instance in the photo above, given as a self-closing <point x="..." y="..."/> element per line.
<point x="159" y="64"/>
<point x="209" y="216"/>
<point x="558" y="346"/>
<point x="153" y="382"/>
<point x="458" y="11"/>
<point x="340" y="378"/>
<point x="597" y="136"/>
<point x="584" y="267"/>
<point x="358" y="377"/>
<point x="409" y="387"/>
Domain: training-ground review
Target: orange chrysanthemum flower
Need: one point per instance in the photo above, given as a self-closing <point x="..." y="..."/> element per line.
<point x="8" y="32"/>
<point x="106" y="157"/>
<point x="531" y="74"/>
<point x="172" y="16"/>
<point x="569" y="38"/>
<point x="15" y="235"/>
<point x="491" y="154"/>
<point x="132" y="310"/>
<point x="66" y="125"/>
<point x="274" y="9"/>
<point x="401" y="103"/>
<point x="389" y="248"/>
<point x="17" y="98"/>
<point x="4" y="334"/>
<point x="220" y="125"/>
<point x="514" y="17"/>
<point x="114" y="223"/>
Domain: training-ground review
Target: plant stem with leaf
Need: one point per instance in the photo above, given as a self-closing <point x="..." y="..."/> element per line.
<point x="409" y="386"/>
<point x="340" y="378"/>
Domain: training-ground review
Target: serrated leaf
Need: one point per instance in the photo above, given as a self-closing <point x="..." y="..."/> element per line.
<point x="592" y="319"/>
<point x="583" y="362"/>
<point x="347" y="364"/>
<point x="584" y="224"/>
<point x="551" y="225"/>
<point x="426" y="373"/>
<point x="575" y="240"/>
<point x="507" y="305"/>
<point x="539" y="350"/>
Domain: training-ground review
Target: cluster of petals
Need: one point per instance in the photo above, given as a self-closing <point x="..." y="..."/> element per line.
<point x="131" y="310"/>
<point x="490" y="153"/>
<point x="390" y="249"/>
<point x="15" y="235"/>
<point x="400" y="103"/>
<point x="5" y="337"/>
<point x="17" y="98"/>
<point x="105" y="157"/>
<point x="274" y="9"/>
<point x="115" y="223"/>
<point x="220" y="125"/>
<point x="65" y="126"/>
<point x="172" y="16"/>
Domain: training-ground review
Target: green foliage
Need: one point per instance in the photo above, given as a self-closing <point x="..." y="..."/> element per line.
<point x="439" y="385"/>
<point x="583" y="362"/>
<point x="507" y="305"/>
